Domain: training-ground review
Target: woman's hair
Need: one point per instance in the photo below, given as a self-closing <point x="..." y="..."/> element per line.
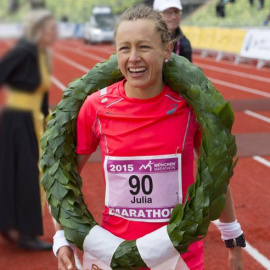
<point x="33" y="30"/>
<point x="34" y="22"/>
<point x="145" y="12"/>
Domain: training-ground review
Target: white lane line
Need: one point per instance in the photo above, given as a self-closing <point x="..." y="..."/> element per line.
<point x="241" y="88"/>
<point x="108" y="50"/>
<point x="262" y="161"/>
<point x="60" y="85"/>
<point x="245" y="66"/>
<point x="103" y="49"/>
<point x="254" y="253"/>
<point x="258" y="116"/>
<point x="235" y="73"/>
<point x="70" y="62"/>
<point x="78" y="51"/>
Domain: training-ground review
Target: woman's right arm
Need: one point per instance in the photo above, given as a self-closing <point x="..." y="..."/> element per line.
<point x="86" y="143"/>
<point x="65" y="254"/>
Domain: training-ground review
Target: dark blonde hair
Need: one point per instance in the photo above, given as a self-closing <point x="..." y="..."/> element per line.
<point x="145" y="12"/>
<point x="33" y="30"/>
<point x="33" y="24"/>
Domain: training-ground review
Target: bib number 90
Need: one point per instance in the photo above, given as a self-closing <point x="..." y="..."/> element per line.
<point x="145" y="184"/>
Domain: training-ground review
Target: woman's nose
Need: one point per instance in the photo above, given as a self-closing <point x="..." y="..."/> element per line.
<point x="134" y="56"/>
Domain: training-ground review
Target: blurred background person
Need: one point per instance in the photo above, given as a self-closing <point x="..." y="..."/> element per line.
<point x="170" y="11"/>
<point x="25" y="70"/>
<point x="266" y="21"/>
<point x="260" y="4"/>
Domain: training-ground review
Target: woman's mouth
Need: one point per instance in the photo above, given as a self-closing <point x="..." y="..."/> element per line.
<point x="136" y="71"/>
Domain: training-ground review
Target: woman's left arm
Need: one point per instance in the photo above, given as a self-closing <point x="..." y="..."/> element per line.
<point x="228" y="216"/>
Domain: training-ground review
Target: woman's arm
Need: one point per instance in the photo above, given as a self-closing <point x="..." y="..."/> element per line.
<point x="65" y="254"/>
<point x="227" y="216"/>
<point x="81" y="161"/>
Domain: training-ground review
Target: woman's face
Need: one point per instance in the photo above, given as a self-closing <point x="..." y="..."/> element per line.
<point x="49" y="33"/>
<point x="141" y="54"/>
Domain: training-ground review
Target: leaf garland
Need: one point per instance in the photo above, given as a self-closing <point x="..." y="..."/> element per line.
<point x="205" y="199"/>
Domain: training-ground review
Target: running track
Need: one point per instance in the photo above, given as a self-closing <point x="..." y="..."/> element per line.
<point x="248" y="89"/>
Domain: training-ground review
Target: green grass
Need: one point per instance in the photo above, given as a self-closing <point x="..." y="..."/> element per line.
<point x="77" y="10"/>
<point x="4" y="16"/>
<point x="238" y="14"/>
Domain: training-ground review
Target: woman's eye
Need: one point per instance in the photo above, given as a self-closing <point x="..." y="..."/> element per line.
<point x="123" y="48"/>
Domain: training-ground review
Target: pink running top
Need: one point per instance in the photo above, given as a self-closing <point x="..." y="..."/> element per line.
<point x="147" y="151"/>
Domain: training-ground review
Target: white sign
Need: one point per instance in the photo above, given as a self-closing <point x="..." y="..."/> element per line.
<point x="9" y="30"/>
<point x="256" y="44"/>
<point x="65" y="30"/>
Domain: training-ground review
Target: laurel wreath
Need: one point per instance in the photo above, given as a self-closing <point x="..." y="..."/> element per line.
<point x="205" y="199"/>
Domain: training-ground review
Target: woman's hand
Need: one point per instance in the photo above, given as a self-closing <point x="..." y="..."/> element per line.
<point x="66" y="259"/>
<point x="235" y="259"/>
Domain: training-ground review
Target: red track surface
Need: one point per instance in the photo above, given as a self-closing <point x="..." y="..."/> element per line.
<point x="250" y="184"/>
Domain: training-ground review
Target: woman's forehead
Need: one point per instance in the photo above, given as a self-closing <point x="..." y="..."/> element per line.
<point x="139" y="28"/>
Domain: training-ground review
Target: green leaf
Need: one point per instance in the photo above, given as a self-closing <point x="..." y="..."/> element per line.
<point x="217" y="207"/>
<point x="61" y="177"/>
<point x="54" y="168"/>
<point x="177" y="214"/>
<point x="56" y="141"/>
<point x="47" y="181"/>
<point x="58" y="191"/>
<point x="68" y="222"/>
<point x="199" y="198"/>
<point x="225" y="114"/>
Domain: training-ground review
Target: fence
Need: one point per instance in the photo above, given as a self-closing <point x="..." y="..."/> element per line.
<point x="237" y="43"/>
<point x="223" y="42"/>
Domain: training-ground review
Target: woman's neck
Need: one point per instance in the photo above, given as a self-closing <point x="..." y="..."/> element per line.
<point x="143" y="93"/>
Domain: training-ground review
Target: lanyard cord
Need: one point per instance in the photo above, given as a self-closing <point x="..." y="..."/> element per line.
<point x="177" y="47"/>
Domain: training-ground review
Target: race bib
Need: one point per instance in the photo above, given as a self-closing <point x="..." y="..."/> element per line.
<point x="145" y="188"/>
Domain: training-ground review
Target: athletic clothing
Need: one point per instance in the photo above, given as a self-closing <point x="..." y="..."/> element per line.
<point x="141" y="135"/>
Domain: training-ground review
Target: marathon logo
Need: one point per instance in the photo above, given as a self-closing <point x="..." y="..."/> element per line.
<point x="143" y="214"/>
<point x="153" y="166"/>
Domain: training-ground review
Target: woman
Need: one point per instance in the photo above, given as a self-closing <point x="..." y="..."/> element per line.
<point x="144" y="130"/>
<point x="25" y="70"/>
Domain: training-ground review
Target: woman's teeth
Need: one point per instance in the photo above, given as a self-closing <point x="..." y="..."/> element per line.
<point x="136" y="70"/>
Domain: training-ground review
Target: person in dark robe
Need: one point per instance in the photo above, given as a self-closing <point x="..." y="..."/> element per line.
<point x="25" y="74"/>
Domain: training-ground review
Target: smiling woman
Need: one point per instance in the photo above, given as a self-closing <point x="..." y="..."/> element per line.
<point x="141" y="54"/>
<point x="147" y="134"/>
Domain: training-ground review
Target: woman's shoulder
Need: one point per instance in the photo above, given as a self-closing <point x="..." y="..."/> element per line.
<point x="173" y="94"/>
<point x="102" y="96"/>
